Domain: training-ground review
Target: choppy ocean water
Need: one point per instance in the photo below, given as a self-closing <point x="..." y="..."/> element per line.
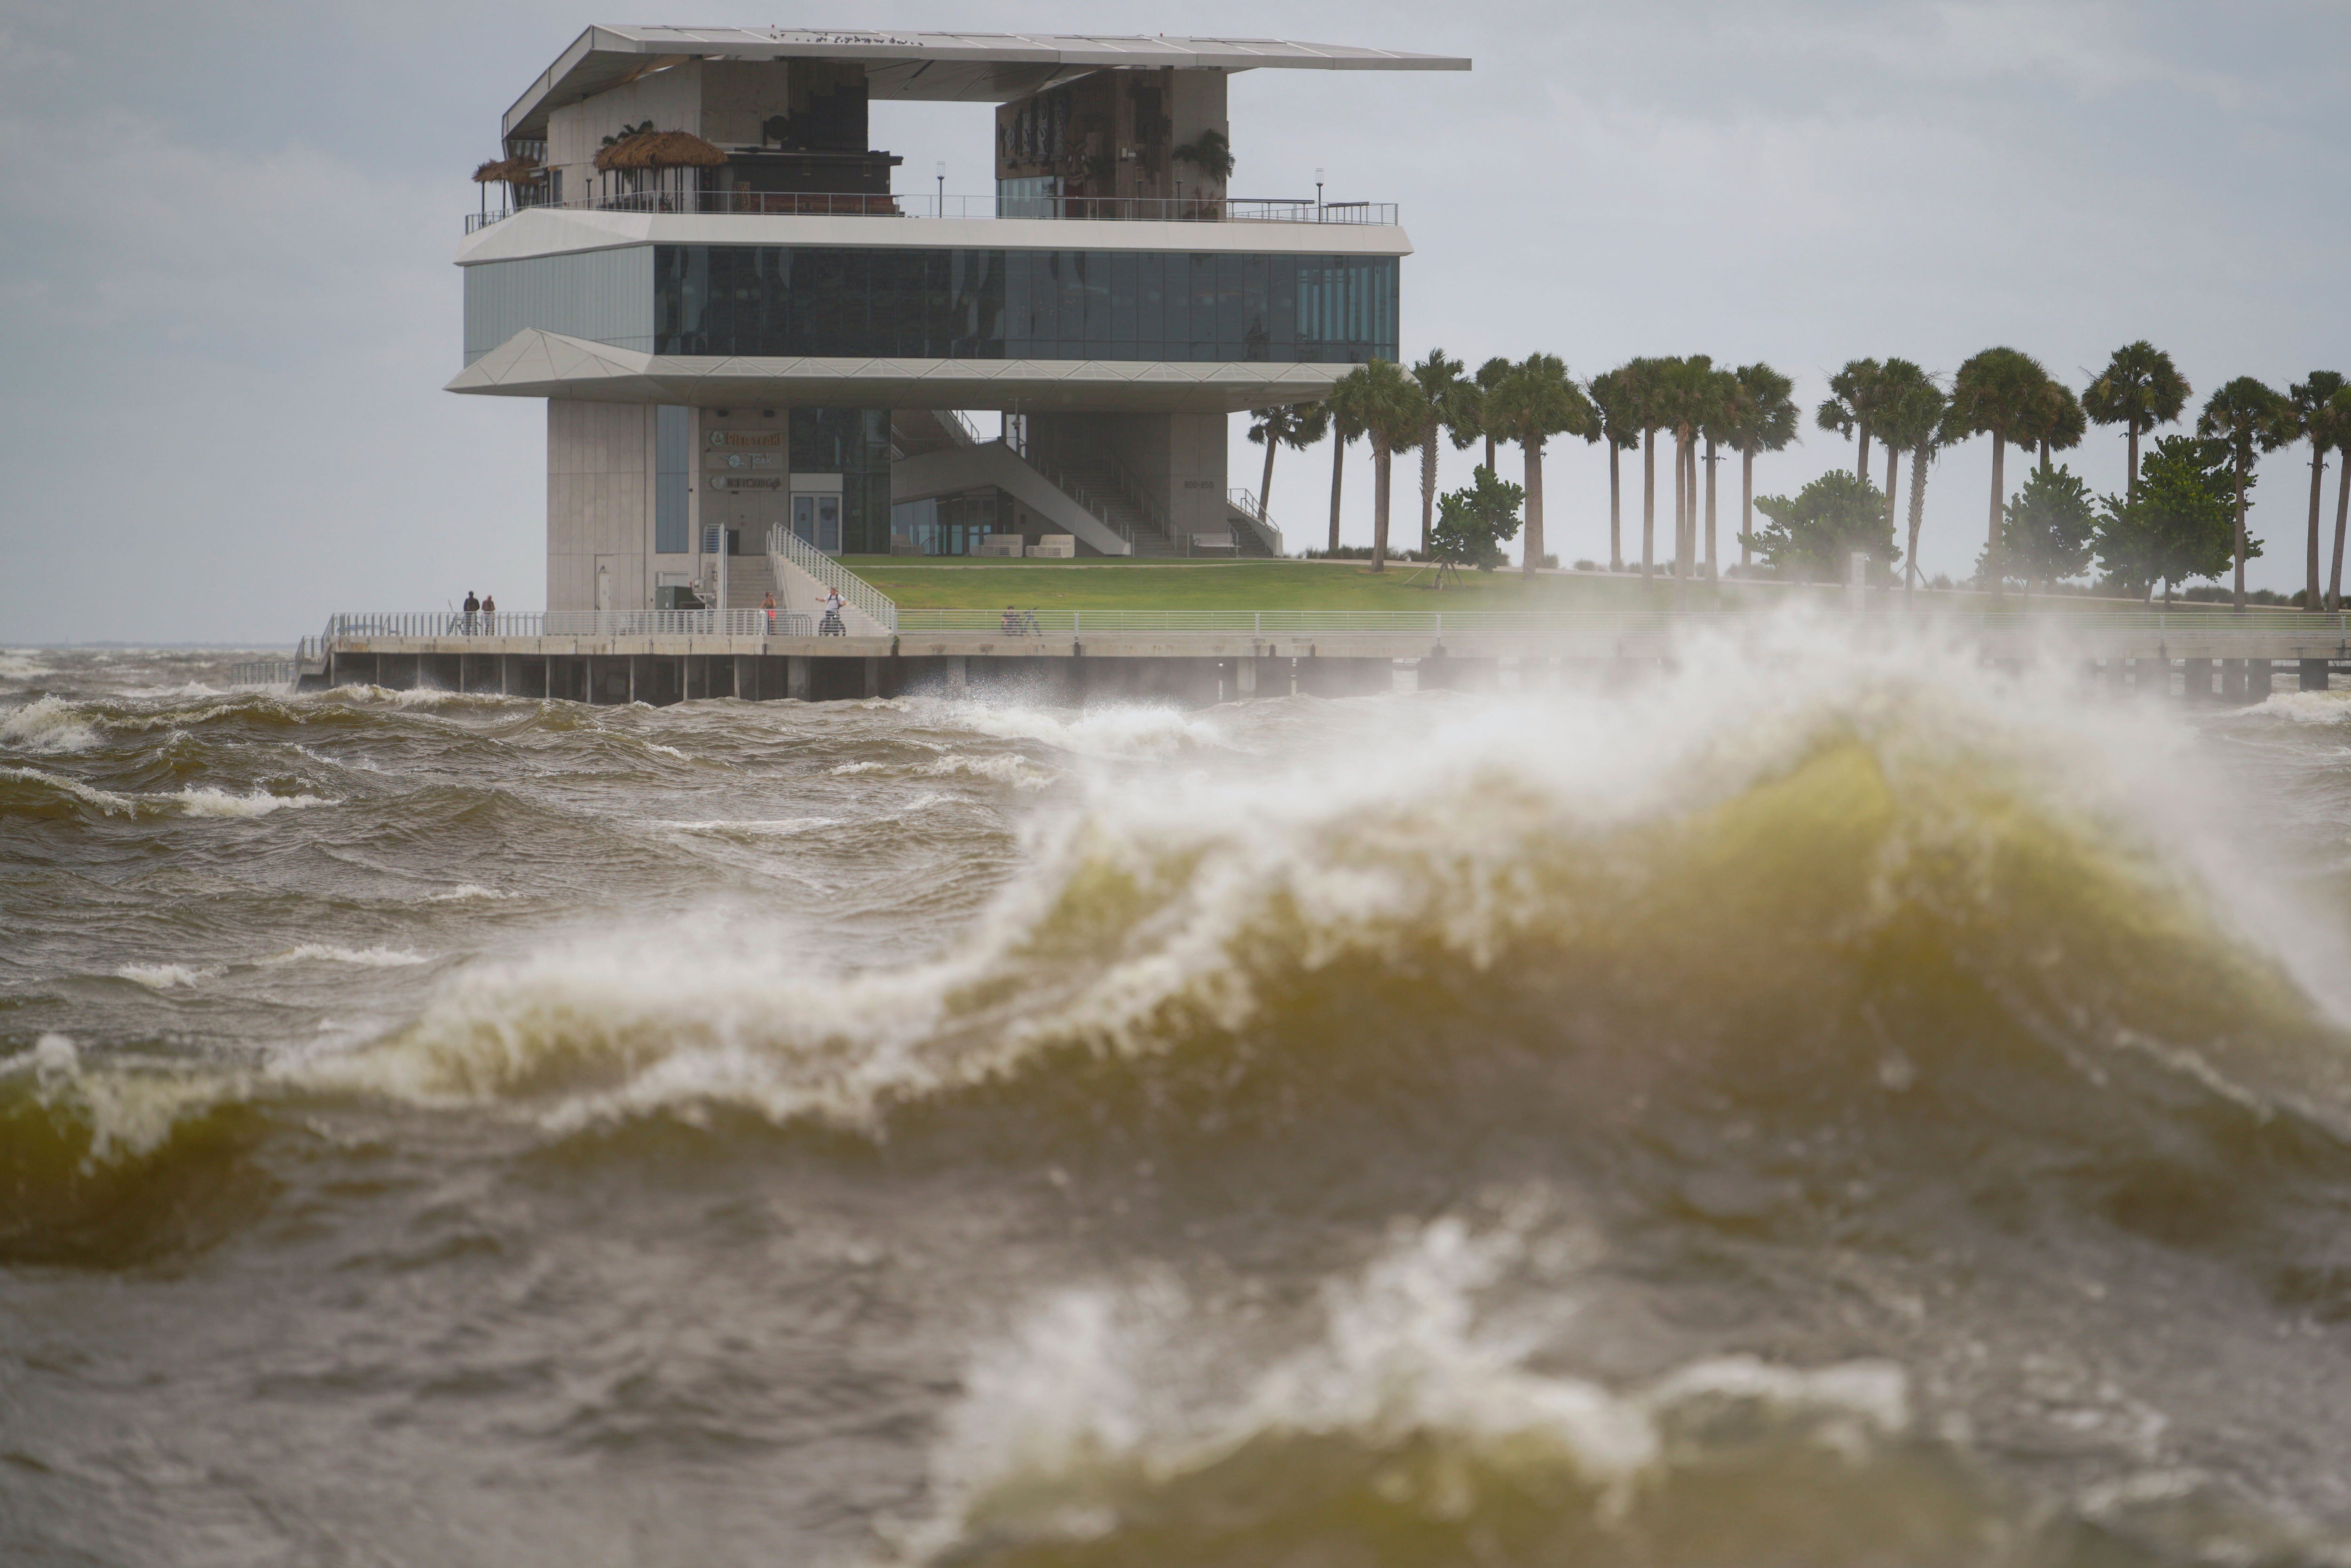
<point x="1828" y="1108"/>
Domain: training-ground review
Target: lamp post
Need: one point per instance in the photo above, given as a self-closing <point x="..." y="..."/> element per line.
<point x="1318" y="195"/>
<point x="940" y="169"/>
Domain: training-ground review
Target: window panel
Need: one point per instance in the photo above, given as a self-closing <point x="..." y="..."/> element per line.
<point x="786" y="301"/>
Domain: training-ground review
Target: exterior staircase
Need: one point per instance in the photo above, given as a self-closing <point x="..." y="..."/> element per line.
<point x="749" y="579"/>
<point x="1104" y="490"/>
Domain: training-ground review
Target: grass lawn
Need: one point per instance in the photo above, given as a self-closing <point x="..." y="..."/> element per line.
<point x="1097" y="584"/>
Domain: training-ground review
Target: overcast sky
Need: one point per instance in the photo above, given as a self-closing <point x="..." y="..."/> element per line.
<point x="227" y="305"/>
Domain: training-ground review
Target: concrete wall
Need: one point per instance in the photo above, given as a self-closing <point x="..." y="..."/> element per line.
<point x="1180" y="458"/>
<point x="737" y="95"/>
<point x="1197" y="104"/>
<point x="671" y="100"/>
<point x="600" y="504"/>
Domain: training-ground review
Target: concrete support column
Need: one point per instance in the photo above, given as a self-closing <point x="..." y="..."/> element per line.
<point x="1245" y="677"/>
<point x="796" y="677"/>
<point x="2232" y="680"/>
<point x="958" y="674"/>
<point x="2199" y="674"/>
<point x="2313" y="675"/>
<point x="2258" y="676"/>
<point x="873" y="677"/>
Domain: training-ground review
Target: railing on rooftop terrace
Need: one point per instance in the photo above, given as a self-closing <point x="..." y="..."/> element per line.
<point x="1072" y="209"/>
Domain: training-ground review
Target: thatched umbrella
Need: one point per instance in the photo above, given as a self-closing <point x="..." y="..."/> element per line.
<point x="659" y="150"/>
<point x="656" y="150"/>
<point x="513" y="172"/>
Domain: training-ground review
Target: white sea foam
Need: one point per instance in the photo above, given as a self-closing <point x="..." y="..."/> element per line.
<point x="378" y="957"/>
<point x="127" y="1113"/>
<point x="49" y="725"/>
<point x="848" y="768"/>
<point x="1118" y="732"/>
<point x="1003" y="768"/>
<point x="467" y="892"/>
<point x="1114" y="1380"/>
<point x="667" y="750"/>
<point x="207" y="801"/>
<point x="765" y="826"/>
<point x="22" y="666"/>
<point x="104" y="800"/>
<point x="2305" y="707"/>
<point x="1415" y="831"/>
<point x="168" y="976"/>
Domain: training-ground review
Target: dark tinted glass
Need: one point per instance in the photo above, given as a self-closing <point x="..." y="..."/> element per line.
<point x="836" y="302"/>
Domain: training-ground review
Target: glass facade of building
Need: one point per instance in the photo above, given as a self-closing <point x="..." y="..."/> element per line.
<point x="853" y="443"/>
<point x="951" y="524"/>
<point x="839" y="302"/>
<point x="673" y="466"/>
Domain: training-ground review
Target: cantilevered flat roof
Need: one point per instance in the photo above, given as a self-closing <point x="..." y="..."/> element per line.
<point x="971" y="67"/>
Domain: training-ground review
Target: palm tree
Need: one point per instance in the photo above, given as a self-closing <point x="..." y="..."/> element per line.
<point x="1768" y="420"/>
<point x="1346" y="429"/>
<point x="2309" y="415"/>
<point x="2058" y="424"/>
<point x="2139" y="389"/>
<point x="1644" y="380"/>
<point x="1852" y="394"/>
<point x="1898" y="382"/>
<point x="1612" y="395"/>
<point x="1295" y="425"/>
<point x="1910" y="420"/>
<point x="1468" y="420"/>
<point x="2339" y="416"/>
<point x="1723" y="397"/>
<point x="1998" y="393"/>
<point x="1537" y="401"/>
<point x="1688" y="394"/>
<point x="1439" y="377"/>
<point x="2246" y="415"/>
<point x="1388" y="406"/>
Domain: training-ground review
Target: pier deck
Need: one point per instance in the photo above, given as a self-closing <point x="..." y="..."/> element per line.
<point x="1205" y="658"/>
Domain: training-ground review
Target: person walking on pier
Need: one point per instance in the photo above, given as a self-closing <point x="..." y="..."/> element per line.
<point x="489" y="615"/>
<point x="472" y="610"/>
<point x="768" y="606"/>
<point x="832" y="625"/>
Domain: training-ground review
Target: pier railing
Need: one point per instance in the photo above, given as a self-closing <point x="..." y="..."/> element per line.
<point x="262" y="673"/>
<point x="1443" y="623"/>
<point x="570" y="623"/>
<point x="2181" y="631"/>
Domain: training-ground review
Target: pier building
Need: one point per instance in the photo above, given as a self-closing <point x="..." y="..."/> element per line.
<point x="691" y="250"/>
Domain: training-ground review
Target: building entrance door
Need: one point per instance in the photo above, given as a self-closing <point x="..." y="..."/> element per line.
<point x="816" y="520"/>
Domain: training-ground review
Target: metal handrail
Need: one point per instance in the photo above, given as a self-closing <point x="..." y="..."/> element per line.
<point x="1071" y="488"/>
<point x="861" y="594"/>
<point x="1245" y="503"/>
<point x="927" y="205"/>
<point x="1471" y="622"/>
<point x="527" y="623"/>
<point x="263" y="672"/>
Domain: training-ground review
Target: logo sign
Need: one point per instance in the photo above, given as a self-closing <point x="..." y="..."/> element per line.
<point x="745" y="440"/>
